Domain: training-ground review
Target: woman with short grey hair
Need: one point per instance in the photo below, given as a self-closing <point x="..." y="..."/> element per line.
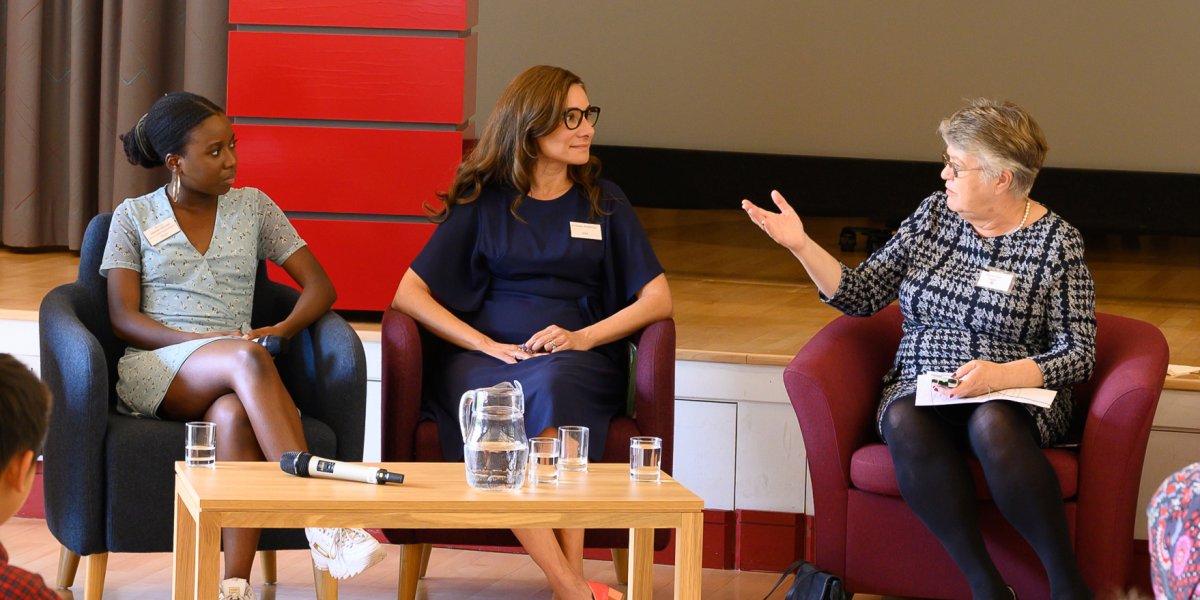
<point x="994" y="291"/>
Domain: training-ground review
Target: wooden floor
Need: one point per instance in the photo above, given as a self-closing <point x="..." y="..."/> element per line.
<point x="452" y="575"/>
<point x="739" y="297"/>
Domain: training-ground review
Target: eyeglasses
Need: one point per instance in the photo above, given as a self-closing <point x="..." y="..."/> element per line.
<point x="573" y="117"/>
<point x="955" y="168"/>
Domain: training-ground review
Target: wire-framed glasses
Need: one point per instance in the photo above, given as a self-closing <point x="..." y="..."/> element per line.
<point x="954" y="168"/>
<point x="573" y="117"/>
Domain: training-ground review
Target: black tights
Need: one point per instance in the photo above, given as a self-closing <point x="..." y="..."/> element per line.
<point x="936" y="483"/>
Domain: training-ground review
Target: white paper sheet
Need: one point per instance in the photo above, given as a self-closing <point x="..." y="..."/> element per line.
<point x="926" y="396"/>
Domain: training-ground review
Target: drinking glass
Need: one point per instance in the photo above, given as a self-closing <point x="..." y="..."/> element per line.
<point x="574" y="448"/>
<point x="543" y="460"/>
<point x="645" y="459"/>
<point x="201" y="444"/>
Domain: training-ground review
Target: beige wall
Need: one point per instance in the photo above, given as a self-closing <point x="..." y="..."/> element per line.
<point x="1114" y="84"/>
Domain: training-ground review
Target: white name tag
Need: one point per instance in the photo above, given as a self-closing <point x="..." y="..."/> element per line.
<point x="162" y="231"/>
<point x="586" y="231"/>
<point x="995" y="279"/>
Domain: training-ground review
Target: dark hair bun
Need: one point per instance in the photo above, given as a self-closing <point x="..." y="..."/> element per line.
<point x="134" y="153"/>
<point x="165" y="129"/>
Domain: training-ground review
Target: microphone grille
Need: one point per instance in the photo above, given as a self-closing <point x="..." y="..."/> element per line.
<point x="290" y="463"/>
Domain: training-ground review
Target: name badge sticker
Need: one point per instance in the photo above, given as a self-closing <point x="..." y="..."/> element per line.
<point x="162" y="231"/>
<point x="586" y="231"/>
<point x="995" y="279"/>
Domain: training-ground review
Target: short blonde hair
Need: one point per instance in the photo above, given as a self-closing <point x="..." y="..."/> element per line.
<point x="1002" y="136"/>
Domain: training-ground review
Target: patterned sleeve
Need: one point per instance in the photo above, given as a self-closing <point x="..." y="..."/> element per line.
<point x="277" y="239"/>
<point x="1070" y="317"/>
<point x="875" y="283"/>
<point x="124" y="247"/>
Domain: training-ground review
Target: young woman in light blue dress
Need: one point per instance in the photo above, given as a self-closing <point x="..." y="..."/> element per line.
<point x="181" y="263"/>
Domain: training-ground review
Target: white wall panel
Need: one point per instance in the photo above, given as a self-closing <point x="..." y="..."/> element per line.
<point x="705" y="449"/>
<point x="771" y="460"/>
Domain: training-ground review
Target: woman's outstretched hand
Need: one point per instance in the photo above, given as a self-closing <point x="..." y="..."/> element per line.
<point x="784" y="227"/>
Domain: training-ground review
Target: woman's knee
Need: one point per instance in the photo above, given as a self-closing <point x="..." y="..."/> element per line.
<point x="252" y="359"/>
<point x="997" y="429"/>
<point x="912" y="435"/>
<point x="229" y="414"/>
<point x="902" y="420"/>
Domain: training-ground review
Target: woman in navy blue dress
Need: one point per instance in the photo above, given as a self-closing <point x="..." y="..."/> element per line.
<point x="537" y="272"/>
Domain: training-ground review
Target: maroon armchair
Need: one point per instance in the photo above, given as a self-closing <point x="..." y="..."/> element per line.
<point x="866" y="534"/>
<point x="408" y="438"/>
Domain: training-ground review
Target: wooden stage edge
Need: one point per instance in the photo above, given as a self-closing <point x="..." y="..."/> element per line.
<point x="741" y="299"/>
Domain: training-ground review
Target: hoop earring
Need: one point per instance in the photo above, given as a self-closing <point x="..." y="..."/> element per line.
<point x="173" y="188"/>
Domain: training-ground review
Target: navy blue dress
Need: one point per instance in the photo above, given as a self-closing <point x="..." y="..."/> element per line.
<point x="510" y="279"/>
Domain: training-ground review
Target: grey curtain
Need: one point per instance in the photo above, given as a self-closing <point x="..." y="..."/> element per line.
<point x="77" y="73"/>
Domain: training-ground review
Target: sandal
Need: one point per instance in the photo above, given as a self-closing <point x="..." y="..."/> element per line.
<point x="603" y="592"/>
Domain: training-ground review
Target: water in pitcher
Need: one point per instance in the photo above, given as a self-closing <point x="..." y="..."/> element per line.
<point x="496" y="465"/>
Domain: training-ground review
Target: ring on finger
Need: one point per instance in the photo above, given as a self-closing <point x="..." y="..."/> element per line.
<point x="551" y="346"/>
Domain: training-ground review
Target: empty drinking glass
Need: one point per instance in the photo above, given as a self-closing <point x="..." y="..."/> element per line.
<point x="574" y="448"/>
<point x="645" y="459"/>
<point x="201" y="444"/>
<point x="543" y="460"/>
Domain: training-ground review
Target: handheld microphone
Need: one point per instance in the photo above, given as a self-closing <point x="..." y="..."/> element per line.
<point x="304" y="464"/>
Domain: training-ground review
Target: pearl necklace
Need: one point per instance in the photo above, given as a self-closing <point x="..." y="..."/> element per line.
<point x="1024" y="218"/>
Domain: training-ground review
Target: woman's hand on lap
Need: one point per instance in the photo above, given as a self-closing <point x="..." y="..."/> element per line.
<point x="977" y="378"/>
<point x="509" y="353"/>
<point x="262" y="331"/>
<point x="556" y="339"/>
<point x="216" y="334"/>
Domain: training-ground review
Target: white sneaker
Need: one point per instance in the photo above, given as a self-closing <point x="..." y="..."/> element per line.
<point x="343" y="552"/>
<point x="236" y="588"/>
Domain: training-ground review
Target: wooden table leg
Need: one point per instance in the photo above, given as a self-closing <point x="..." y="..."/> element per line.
<point x="641" y="564"/>
<point x="182" y="584"/>
<point x="208" y="557"/>
<point x="689" y="542"/>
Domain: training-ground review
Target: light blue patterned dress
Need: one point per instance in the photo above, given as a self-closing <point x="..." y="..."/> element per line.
<point x="186" y="290"/>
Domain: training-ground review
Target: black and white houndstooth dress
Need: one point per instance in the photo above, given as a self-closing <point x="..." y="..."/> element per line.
<point x="932" y="265"/>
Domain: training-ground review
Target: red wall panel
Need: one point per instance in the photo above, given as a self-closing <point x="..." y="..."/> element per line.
<point x="365" y="259"/>
<point x="452" y="15"/>
<point x="351" y="77"/>
<point x="347" y="170"/>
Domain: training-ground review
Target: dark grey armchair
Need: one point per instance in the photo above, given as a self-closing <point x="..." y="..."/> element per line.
<point x="109" y="478"/>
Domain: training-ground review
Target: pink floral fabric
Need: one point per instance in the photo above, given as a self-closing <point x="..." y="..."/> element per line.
<point x="1174" y="517"/>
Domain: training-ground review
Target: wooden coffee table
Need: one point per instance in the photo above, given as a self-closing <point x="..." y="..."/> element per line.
<point x="433" y="496"/>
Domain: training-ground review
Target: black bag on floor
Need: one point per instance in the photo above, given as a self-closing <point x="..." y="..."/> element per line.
<point x="810" y="583"/>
